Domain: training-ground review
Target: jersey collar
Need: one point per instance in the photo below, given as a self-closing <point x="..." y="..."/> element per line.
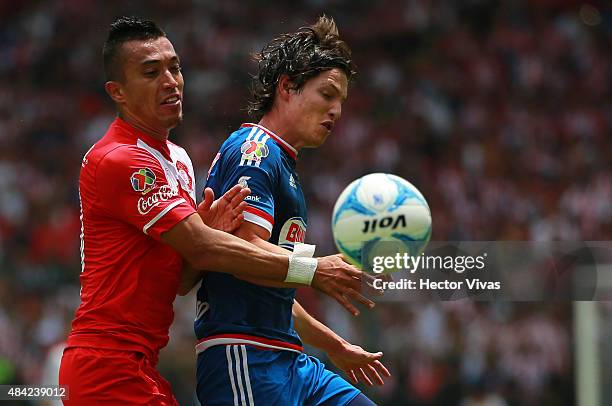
<point x="283" y="144"/>
<point x="161" y="146"/>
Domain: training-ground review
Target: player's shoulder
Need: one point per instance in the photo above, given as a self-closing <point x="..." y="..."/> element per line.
<point x="179" y="153"/>
<point x="250" y="145"/>
<point x="176" y="149"/>
<point x="252" y="134"/>
<point x="118" y="153"/>
<point x="111" y="158"/>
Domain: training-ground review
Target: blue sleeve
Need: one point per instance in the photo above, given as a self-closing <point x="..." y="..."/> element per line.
<point x="260" y="175"/>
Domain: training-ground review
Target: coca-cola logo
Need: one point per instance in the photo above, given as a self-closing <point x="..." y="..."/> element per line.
<point x="165" y="193"/>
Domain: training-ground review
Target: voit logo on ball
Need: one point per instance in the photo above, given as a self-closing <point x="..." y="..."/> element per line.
<point x="293" y="231"/>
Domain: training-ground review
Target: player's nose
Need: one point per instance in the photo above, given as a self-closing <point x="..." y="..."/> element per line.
<point x="169" y="81"/>
<point x="335" y="111"/>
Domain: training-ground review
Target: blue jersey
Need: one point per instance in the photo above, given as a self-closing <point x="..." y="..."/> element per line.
<point x="232" y="311"/>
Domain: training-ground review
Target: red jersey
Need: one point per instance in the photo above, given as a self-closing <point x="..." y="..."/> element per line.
<point x="132" y="188"/>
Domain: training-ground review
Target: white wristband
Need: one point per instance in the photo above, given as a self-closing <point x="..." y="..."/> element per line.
<point x="302" y="266"/>
<point x="304" y="250"/>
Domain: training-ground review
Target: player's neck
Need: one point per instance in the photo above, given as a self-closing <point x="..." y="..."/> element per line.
<point x="276" y="126"/>
<point x="134" y="121"/>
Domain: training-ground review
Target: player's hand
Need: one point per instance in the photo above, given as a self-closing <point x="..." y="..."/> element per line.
<point x="359" y="365"/>
<point x="342" y="281"/>
<point x="224" y="214"/>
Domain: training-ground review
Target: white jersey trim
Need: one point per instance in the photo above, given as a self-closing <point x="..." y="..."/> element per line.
<point x="172" y="175"/>
<point x="204" y="345"/>
<point x="230" y="370"/>
<point x="167" y="167"/>
<point x="245" y="369"/>
<point x="161" y="214"/>
<point x="237" y="358"/>
<point x="260" y="221"/>
<point x="239" y="376"/>
<point x="276" y="137"/>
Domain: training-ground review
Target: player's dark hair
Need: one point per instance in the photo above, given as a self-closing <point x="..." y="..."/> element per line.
<point x="125" y="29"/>
<point x="300" y="55"/>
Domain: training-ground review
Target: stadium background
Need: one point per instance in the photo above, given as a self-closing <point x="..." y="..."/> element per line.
<point x="500" y="112"/>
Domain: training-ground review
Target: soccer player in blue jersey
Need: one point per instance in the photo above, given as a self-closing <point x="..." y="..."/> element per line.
<point x="250" y="336"/>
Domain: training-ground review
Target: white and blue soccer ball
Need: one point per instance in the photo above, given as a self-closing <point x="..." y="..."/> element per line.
<point x="380" y="207"/>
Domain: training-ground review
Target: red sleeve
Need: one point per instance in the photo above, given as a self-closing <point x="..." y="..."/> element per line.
<point x="133" y="187"/>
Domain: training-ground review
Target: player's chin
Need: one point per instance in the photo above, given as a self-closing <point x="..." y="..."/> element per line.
<point x="319" y="139"/>
<point x="173" y="120"/>
<point x="323" y="139"/>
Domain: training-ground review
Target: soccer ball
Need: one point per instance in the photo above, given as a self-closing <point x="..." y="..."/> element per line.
<point x="380" y="210"/>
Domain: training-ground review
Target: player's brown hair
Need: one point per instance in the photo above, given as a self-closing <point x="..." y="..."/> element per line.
<point x="301" y="55"/>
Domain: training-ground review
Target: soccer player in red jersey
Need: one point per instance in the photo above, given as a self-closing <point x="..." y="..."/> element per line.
<point x="140" y="228"/>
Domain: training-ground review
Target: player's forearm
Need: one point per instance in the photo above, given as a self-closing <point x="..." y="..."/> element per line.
<point x="268" y="246"/>
<point x="222" y="252"/>
<point x="206" y="248"/>
<point x="190" y="276"/>
<point x="313" y="332"/>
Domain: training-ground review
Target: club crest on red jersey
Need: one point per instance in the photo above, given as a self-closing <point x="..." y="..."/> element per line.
<point x="184" y="174"/>
<point x="143" y="180"/>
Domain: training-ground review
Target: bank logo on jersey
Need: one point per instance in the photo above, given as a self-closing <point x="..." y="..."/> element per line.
<point x="184" y="174"/>
<point x="243" y="181"/>
<point x="293" y="231"/>
<point x="253" y="152"/>
<point x="143" y="180"/>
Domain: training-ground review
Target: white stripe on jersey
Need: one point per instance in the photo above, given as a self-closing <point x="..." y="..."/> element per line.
<point x="245" y="369"/>
<point x="255" y="138"/>
<point x="252" y="133"/>
<point x="230" y="370"/>
<point x="264" y="139"/>
<point x="161" y="214"/>
<point x="204" y="345"/>
<point x="171" y="173"/>
<point x="238" y="376"/>
<point x="82" y="235"/>
<point x="179" y="154"/>
<point x="260" y="221"/>
<point x="275" y="136"/>
<point x="168" y="167"/>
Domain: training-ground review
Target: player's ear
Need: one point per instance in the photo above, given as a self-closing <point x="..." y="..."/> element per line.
<point x="115" y="91"/>
<point x="285" y="87"/>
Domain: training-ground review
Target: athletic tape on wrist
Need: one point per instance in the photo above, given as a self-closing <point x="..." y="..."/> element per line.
<point x="302" y="266"/>
<point x="304" y="250"/>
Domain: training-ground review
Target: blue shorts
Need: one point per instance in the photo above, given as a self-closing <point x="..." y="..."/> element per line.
<point x="243" y="375"/>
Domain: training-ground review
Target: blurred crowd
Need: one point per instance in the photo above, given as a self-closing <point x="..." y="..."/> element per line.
<point x="499" y="112"/>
